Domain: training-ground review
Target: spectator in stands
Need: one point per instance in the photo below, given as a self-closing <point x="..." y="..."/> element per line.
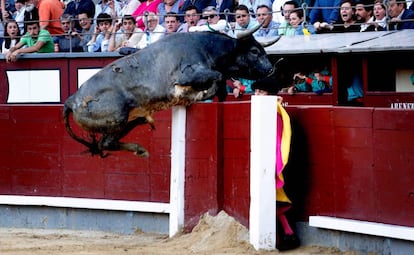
<point x="18" y="16"/>
<point x="324" y="14"/>
<point x="191" y="18"/>
<point x="75" y="7"/>
<point x="69" y="41"/>
<point x="318" y="81"/>
<point x="31" y="12"/>
<point x="144" y="8"/>
<point x="35" y="40"/>
<point x="88" y="28"/>
<point x="401" y="17"/>
<point x="347" y="21"/>
<point x="223" y="6"/>
<point x="101" y="35"/>
<point x="111" y="7"/>
<point x="49" y="15"/>
<point x="199" y="5"/>
<point x="127" y="36"/>
<point x="171" y="22"/>
<point x="288" y="7"/>
<point x="168" y="6"/>
<point x="129" y="7"/>
<point x="239" y="86"/>
<point x="213" y="22"/>
<point x="7" y="9"/>
<point x="243" y="21"/>
<point x="153" y="32"/>
<point x="277" y="9"/>
<point x="378" y="21"/>
<point x="253" y="4"/>
<point x="298" y="25"/>
<point x="264" y="17"/>
<point x="348" y="18"/>
<point x="363" y="11"/>
<point x="11" y="35"/>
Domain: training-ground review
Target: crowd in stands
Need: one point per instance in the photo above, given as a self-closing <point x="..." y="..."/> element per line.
<point x="109" y="25"/>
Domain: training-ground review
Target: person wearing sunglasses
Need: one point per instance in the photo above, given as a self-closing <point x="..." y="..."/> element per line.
<point x="212" y="19"/>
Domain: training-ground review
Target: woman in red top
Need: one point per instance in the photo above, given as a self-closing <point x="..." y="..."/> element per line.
<point x="147" y="6"/>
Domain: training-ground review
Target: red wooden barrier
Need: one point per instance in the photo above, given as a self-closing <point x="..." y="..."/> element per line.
<point x="345" y="162"/>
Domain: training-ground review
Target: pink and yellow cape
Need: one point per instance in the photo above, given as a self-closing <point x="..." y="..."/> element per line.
<point x="283" y="137"/>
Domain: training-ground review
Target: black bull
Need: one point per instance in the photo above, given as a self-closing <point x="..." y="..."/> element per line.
<point x="179" y="69"/>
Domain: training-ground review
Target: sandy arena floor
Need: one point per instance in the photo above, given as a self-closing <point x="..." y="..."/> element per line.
<point x="213" y="235"/>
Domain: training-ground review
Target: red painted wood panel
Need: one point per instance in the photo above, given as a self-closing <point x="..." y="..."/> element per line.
<point x="41" y="159"/>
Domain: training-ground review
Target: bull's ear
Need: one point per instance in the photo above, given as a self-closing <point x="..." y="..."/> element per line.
<point x="267" y="44"/>
<point x="250" y="32"/>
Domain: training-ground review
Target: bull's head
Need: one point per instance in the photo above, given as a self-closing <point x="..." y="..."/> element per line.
<point x="252" y="61"/>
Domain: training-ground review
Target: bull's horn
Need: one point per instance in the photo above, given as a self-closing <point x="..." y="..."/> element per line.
<point x="249" y="32"/>
<point x="267" y="44"/>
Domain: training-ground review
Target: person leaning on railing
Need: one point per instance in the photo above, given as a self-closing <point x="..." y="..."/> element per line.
<point x="35" y="40"/>
<point x="11" y="35"/>
<point x="324" y="14"/>
<point x="401" y="17"/>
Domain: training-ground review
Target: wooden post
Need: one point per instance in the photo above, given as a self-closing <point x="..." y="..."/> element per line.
<point x="262" y="172"/>
<point x="178" y="126"/>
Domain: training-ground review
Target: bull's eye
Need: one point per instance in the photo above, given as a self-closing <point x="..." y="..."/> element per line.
<point x="255" y="51"/>
<point x="116" y="69"/>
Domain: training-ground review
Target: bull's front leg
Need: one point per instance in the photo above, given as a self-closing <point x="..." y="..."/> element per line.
<point x="199" y="77"/>
<point x="210" y="92"/>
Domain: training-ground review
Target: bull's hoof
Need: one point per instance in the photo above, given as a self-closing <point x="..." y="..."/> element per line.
<point x="142" y="154"/>
<point x="141" y="151"/>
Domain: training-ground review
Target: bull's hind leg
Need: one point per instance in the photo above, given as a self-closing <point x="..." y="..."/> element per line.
<point x="111" y="141"/>
<point x="135" y="148"/>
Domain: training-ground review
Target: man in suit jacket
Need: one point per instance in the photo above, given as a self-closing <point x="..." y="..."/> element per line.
<point x="400" y="15"/>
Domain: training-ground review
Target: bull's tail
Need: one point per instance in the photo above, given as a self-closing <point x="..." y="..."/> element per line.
<point x="93" y="146"/>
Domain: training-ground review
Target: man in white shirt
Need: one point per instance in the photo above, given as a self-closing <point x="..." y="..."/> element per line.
<point x="153" y="32"/>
